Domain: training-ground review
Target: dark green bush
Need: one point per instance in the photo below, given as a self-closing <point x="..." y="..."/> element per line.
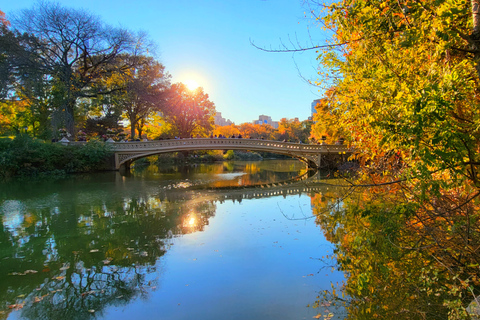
<point x="25" y="156"/>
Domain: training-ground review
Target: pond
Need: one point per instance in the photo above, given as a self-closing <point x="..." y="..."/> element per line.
<point x="233" y="240"/>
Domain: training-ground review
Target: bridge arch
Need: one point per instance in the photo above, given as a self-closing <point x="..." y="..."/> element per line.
<point x="127" y="152"/>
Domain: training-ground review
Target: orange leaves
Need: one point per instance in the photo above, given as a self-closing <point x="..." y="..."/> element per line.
<point x="226" y="131"/>
<point x="17" y="306"/>
<point x="3" y="19"/>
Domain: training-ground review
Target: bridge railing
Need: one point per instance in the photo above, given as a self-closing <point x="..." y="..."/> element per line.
<point x="225" y="143"/>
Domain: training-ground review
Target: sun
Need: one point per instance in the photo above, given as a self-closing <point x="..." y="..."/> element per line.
<point x="191" y="84"/>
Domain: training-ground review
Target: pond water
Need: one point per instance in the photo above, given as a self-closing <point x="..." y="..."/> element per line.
<point x="218" y="241"/>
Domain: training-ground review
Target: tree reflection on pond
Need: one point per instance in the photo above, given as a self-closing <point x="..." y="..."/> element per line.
<point x="64" y="261"/>
<point x="397" y="265"/>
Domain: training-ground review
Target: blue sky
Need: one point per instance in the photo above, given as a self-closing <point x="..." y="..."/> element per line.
<point x="209" y="41"/>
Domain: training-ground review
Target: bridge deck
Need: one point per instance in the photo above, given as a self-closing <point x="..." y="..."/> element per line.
<point x="311" y="153"/>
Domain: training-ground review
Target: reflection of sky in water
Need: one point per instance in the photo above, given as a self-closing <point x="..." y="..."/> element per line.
<point x="252" y="261"/>
<point x="229" y="176"/>
<point x="13" y="215"/>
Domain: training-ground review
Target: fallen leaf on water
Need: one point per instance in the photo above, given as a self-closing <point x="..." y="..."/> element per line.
<point x="60" y="277"/>
<point x="16" y="306"/>
<point x="318" y="316"/>
<point x="88" y="292"/>
<point x="22" y="273"/>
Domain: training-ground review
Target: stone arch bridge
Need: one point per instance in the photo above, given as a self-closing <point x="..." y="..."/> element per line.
<point x="315" y="155"/>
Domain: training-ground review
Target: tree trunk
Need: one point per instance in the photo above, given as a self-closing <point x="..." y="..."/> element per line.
<point x="140" y="124"/>
<point x="69" y="117"/>
<point x="476" y="16"/>
<point x="133" y="123"/>
<point x="475" y="36"/>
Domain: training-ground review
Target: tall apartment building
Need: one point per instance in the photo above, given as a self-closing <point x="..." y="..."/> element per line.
<point x="221" y="121"/>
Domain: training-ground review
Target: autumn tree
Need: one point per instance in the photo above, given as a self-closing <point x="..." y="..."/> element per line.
<point x="14" y="117"/>
<point x="190" y="112"/>
<point x="158" y="128"/>
<point x="257" y="131"/>
<point x="404" y="90"/>
<point x="293" y="130"/>
<point x="405" y="77"/>
<point x="226" y="131"/>
<point x="326" y="121"/>
<point x="3" y="19"/>
<point x="75" y="49"/>
<point x="141" y="90"/>
<point x="247" y="130"/>
<point x="22" y="82"/>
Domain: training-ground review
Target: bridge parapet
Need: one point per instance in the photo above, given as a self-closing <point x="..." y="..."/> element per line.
<point x="226" y="143"/>
<point x="125" y="152"/>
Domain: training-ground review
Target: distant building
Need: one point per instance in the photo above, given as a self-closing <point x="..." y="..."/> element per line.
<point x="263" y="119"/>
<point x="221" y="121"/>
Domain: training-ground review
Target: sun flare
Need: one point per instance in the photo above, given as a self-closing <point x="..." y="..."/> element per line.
<point x="191" y="84"/>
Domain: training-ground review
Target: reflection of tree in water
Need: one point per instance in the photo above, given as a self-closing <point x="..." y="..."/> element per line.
<point x="393" y="270"/>
<point x="72" y="259"/>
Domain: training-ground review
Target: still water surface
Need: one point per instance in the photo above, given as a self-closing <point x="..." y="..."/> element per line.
<point x="164" y="243"/>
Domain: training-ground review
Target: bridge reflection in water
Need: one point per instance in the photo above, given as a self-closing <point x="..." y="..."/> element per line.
<point x="312" y="154"/>
<point x="304" y="184"/>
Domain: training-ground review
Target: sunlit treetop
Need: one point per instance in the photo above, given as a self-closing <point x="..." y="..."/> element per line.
<point x="3" y="19"/>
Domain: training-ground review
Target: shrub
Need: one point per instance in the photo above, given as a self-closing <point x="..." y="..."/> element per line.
<point x="26" y="156"/>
